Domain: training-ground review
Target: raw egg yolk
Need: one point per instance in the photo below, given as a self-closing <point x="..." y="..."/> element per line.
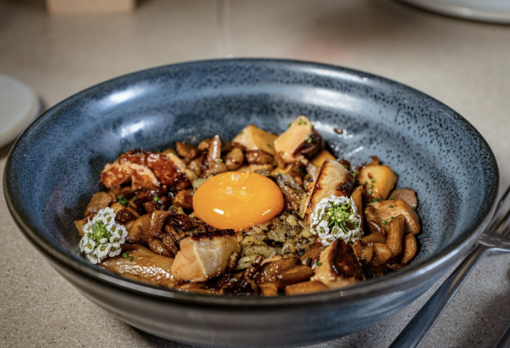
<point x="237" y="200"/>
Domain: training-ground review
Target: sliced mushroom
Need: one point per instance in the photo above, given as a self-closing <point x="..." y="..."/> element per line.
<point x="98" y="201"/>
<point x="410" y="249"/>
<point x="183" y="199"/>
<point x="384" y="211"/>
<point x="254" y="138"/>
<point x="406" y="194"/>
<point x="338" y="266"/>
<point x="292" y="192"/>
<point x="378" y="181"/>
<point x="269" y="272"/>
<point x="123" y="216"/>
<point x="357" y="197"/>
<point x="159" y="247"/>
<point x="294" y="275"/>
<point x="268" y="289"/>
<point x="142" y="265"/>
<point x="305" y="288"/>
<point x="139" y="230"/>
<point x="312" y="255"/>
<point x="376" y="237"/>
<point x="259" y="157"/>
<point x="256" y="168"/>
<point x="374" y="227"/>
<point x="333" y="179"/>
<point x="367" y="252"/>
<point x="186" y="150"/>
<point x="196" y="166"/>
<point x="381" y="254"/>
<point x="395" y="235"/>
<point x="157" y="220"/>
<point x="79" y="225"/>
<point x="215" y="163"/>
<point x="234" y="159"/>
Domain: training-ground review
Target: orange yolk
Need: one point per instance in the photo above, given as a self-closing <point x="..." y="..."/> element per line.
<point x="237" y="200"/>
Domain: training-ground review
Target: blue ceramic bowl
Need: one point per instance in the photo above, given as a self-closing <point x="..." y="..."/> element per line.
<point x="54" y="168"/>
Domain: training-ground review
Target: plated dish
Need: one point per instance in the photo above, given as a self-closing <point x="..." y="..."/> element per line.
<point x="433" y="149"/>
<point x="261" y="214"/>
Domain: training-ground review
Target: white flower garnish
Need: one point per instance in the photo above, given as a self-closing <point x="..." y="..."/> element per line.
<point x="334" y="218"/>
<point x="102" y="236"/>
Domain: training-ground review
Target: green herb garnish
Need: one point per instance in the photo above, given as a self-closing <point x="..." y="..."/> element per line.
<point x="155" y="198"/>
<point x="122" y="200"/>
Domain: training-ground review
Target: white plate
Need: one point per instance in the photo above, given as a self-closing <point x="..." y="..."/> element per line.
<point x="19" y="106"/>
<point x="497" y="11"/>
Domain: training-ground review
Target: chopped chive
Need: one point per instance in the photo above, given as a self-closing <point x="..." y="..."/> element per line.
<point x="318" y="263"/>
<point x="384" y="222"/>
<point x="240" y="132"/>
<point x="158" y="150"/>
<point x="309" y="140"/>
<point x="370" y="192"/>
<point x="134" y="199"/>
<point x="155" y="198"/>
<point x="375" y="200"/>
<point x="372" y="179"/>
<point x="298" y="170"/>
<point x="346" y="166"/>
<point x="122" y="200"/>
<point x="220" y="159"/>
<point x="391" y="218"/>
<point x="371" y="186"/>
<point x="130" y="257"/>
<point x="392" y="198"/>
<point x="391" y="206"/>
<point x="124" y="255"/>
<point x="290" y="124"/>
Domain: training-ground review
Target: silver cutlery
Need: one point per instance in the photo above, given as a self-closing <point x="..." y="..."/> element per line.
<point x="493" y="240"/>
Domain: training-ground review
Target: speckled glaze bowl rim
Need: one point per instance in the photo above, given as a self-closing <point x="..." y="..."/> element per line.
<point x="369" y="288"/>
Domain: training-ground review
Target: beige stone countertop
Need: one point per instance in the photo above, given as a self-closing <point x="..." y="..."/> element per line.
<point x="464" y="64"/>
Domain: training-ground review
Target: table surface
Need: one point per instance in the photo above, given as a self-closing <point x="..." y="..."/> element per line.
<point x="464" y="64"/>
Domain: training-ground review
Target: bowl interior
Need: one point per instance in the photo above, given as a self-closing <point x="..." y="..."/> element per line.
<point x="54" y="167"/>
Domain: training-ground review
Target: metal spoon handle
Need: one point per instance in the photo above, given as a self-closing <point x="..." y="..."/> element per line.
<point x="504" y="339"/>
<point x="414" y="333"/>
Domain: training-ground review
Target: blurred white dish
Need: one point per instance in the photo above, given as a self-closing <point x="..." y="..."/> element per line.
<point x="497" y="11"/>
<point x="19" y="106"/>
